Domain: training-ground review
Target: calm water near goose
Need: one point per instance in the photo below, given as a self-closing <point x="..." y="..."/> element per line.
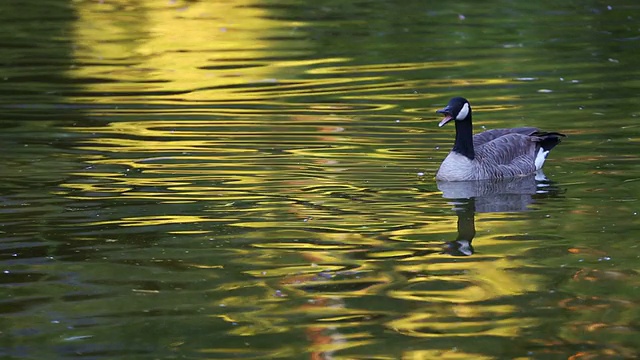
<point x="254" y="180"/>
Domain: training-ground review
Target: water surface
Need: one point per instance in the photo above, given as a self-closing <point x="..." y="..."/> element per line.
<point x="210" y="179"/>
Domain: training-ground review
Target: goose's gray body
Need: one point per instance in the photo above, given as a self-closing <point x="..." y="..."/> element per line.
<point x="493" y="154"/>
<point x="499" y="153"/>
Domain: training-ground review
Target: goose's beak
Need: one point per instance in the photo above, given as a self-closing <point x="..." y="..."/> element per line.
<point x="447" y="116"/>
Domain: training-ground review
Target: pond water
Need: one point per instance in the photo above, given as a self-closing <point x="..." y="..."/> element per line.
<point x="255" y="180"/>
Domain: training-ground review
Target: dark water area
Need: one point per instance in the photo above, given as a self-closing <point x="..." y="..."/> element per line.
<point x="255" y="180"/>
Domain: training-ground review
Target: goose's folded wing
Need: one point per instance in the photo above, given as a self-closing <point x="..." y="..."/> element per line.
<point x="512" y="149"/>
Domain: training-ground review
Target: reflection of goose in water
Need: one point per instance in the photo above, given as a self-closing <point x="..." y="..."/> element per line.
<point x="498" y="195"/>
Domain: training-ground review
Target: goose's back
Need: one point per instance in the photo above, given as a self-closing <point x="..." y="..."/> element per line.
<point x="486" y="136"/>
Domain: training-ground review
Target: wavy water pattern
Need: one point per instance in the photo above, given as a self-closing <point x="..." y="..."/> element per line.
<point x="210" y="179"/>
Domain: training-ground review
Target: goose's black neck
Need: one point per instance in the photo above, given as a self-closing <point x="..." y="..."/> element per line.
<point x="464" y="138"/>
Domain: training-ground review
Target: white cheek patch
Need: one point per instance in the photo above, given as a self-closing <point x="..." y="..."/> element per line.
<point x="463" y="112"/>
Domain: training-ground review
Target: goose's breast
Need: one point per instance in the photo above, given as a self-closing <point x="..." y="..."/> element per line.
<point x="457" y="167"/>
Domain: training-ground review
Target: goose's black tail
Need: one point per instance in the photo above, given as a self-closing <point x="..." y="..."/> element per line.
<point x="548" y="140"/>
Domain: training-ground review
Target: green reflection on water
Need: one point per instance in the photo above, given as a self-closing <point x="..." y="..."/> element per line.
<point x="243" y="179"/>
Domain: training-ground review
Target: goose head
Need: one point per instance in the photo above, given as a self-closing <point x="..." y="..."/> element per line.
<point x="457" y="109"/>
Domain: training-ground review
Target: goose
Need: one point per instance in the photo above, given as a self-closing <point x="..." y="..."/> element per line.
<point x="493" y="154"/>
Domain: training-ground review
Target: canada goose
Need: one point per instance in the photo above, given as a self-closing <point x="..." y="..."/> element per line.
<point x="493" y="154"/>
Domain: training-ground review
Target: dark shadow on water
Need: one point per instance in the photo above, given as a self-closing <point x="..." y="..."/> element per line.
<point x="490" y="196"/>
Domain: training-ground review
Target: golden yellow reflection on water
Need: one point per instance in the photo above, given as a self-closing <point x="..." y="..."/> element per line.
<point x="154" y="47"/>
<point x="304" y="169"/>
